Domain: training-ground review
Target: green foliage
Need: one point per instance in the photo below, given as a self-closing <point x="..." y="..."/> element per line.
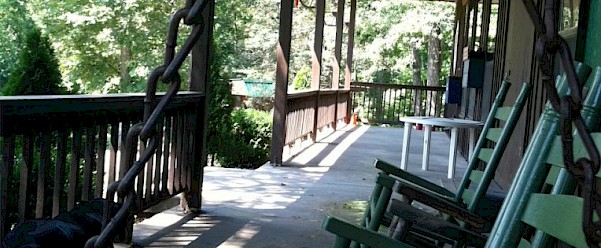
<point x="248" y="141"/>
<point x="302" y="80"/>
<point x="108" y="46"/>
<point x="36" y="72"/>
<point x="221" y="105"/>
<point x="15" y="21"/>
<point x="387" y="30"/>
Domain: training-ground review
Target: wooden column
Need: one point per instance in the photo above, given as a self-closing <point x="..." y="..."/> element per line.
<point x="317" y="60"/>
<point x="338" y="45"/>
<point x="338" y="56"/>
<point x="460" y="30"/>
<point x="485" y="27"/>
<point x="318" y="43"/>
<point x="281" y="83"/>
<point x="474" y="24"/>
<point x="199" y="78"/>
<point x="349" y="56"/>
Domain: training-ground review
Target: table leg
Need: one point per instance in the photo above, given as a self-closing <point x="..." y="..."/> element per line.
<point x="406" y="140"/>
<point x="426" y="155"/>
<point x="452" y="153"/>
<point x="472" y="142"/>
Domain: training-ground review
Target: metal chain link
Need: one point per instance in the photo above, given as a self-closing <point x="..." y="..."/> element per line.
<point x="146" y="130"/>
<point x="584" y="170"/>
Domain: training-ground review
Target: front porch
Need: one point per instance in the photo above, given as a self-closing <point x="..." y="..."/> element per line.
<point x="284" y="206"/>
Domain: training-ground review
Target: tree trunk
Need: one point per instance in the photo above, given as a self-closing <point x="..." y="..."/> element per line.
<point x="416" y="66"/>
<point x="434" y="64"/>
<point x="124" y="67"/>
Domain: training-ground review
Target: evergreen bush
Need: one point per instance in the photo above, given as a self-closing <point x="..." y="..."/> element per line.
<point x="37" y="71"/>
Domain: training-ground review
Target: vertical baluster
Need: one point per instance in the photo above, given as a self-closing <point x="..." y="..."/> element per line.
<point x="74" y="168"/>
<point x="185" y="150"/>
<point x="166" y="161"/>
<point x="89" y="160"/>
<point x="123" y="167"/>
<point x="102" y="137"/>
<point x="405" y="93"/>
<point x="191" y="148"/>
<point x="8" y="160"/>
<point x="45" y="158"/>
<point x="26" y="166"/>
<point x="149" y="167"/>
<point x="178" y="154"/>
<point x="61" y="161"/>
<point x="169" y="166"/>
<point x="113" y="152"/>
<point x="158" y="156"/>
<point x="140" y="177"/>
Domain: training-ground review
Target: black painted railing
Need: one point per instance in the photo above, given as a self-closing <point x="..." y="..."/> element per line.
<point x="58" y="150"/>
<point x="378" y="103"/>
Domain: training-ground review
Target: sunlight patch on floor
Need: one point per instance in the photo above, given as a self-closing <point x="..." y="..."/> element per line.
<point x="185" y="234"/>
<point x="242" y="236"/>
<point x="343" y="146"/>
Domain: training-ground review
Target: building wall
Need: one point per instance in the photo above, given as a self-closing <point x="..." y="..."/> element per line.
<point x="520" y="65"/>
<point x="517" y="69"/>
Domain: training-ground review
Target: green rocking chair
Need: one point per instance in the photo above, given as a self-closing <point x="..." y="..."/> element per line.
<point x="525" y="205"/>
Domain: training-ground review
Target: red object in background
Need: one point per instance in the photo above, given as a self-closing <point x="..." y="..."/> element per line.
<point x="296" y="3"/>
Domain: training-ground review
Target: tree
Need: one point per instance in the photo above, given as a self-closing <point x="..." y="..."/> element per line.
<point x="15" y="21"/>
<point x="36" y="72"/>
<point x="434" y="66"/>
<point x="416" y="67"/>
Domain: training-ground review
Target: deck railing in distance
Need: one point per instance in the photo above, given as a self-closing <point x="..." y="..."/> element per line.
<point x="311" y="110"/>
<point x="379" y="103"/>
<point x="58" y="150"/>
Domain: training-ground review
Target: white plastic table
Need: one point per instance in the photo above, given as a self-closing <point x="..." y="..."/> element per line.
<point x="427" y="122"/>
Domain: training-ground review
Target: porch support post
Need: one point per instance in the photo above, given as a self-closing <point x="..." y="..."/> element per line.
<point x="474" y="23"/>
<point x="199" y="78"/>
<point x="281" y="83"/>
<point x="460" y="29"/>
<point x="349" y="57"/>
<point x="338" y="45"/>
<point x="317" y="60"/>
<point x="485" y="27"/>
<point x="338" y="55"/>
<point x="350" y="46"/>
<point x="318" y="44"/>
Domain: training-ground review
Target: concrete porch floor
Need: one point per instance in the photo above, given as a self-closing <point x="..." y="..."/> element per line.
<point x="284" y="206"/>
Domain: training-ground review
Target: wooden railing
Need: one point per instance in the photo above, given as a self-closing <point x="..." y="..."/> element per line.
<point x="311" y="110"/>
<point x="385" y="103"/>
<point x="57" y="150"/>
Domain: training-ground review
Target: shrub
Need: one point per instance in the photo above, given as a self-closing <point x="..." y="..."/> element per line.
<point x="249" y="140"/>
<point x="37" y="71"/>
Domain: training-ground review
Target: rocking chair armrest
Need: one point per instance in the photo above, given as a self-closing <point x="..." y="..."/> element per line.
<point x="346" y="232"/>
<point x="402" y="175"/>
<point x="442" y="204"/>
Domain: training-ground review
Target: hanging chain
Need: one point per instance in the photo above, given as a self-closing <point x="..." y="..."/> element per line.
<point x="584" y="170"/>
<point x="146" y="130"/>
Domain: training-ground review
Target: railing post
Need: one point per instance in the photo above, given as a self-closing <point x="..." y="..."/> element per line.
<point x="199" y="78"/>
<point x="334" y="125"/>
<point x="281" y="83"/>
<point x="316" y="118"/>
